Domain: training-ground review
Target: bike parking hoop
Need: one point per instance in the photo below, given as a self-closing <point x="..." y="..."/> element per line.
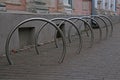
<point x="92" y="19"/>
<point x="88" y="27"/>
<point x="96" y="16"/>
<point x="63" y="39"/>
<point x="63" y="20"/>
<point x="109" y="20"/>
<point x="29" y="20"/>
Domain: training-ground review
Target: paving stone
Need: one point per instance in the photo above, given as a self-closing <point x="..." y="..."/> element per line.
<point x="101" y="62"/>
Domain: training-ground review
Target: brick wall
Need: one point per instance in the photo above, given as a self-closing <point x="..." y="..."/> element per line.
<point x="19" y="5"/>
<point x="82" y="7"/>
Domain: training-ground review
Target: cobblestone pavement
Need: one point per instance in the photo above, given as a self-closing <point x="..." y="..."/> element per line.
<point x="101" y="62"/>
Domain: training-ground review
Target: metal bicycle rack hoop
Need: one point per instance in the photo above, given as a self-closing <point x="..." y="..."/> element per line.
<point x="88" y="25"/>
<point x="100" y="30"/>
<point x="74" y="25"/>
<point x="96" y="16"/>
<point x="109" y="20"/>
<point x="21" y="23"/>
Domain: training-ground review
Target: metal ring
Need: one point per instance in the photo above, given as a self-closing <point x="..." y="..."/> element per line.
<point x="74" y="25"/>
<point x="21" y="23"/>
<point x="64" y="43"/>
<point x="89" y="26"/>
<point x="100" y="30"/>
<point x="96" y="16"/>
<point x="109" y="20"/>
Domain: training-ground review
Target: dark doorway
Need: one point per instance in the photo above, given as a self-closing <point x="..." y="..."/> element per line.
<point x="26" y="36"/>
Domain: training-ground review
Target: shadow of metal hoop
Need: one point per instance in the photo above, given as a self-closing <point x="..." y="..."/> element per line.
<point x="23" y="22"/>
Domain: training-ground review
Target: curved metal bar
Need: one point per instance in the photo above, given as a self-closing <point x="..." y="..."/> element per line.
<point x="21" y="23"/>
<point x="64" y="45"/>
<point x="74" y="25"/>
<point x="88" y="25"/>
<point x="103" y="22"/>
<point x="109" y="20"/>
<point x="100" y="30"/>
